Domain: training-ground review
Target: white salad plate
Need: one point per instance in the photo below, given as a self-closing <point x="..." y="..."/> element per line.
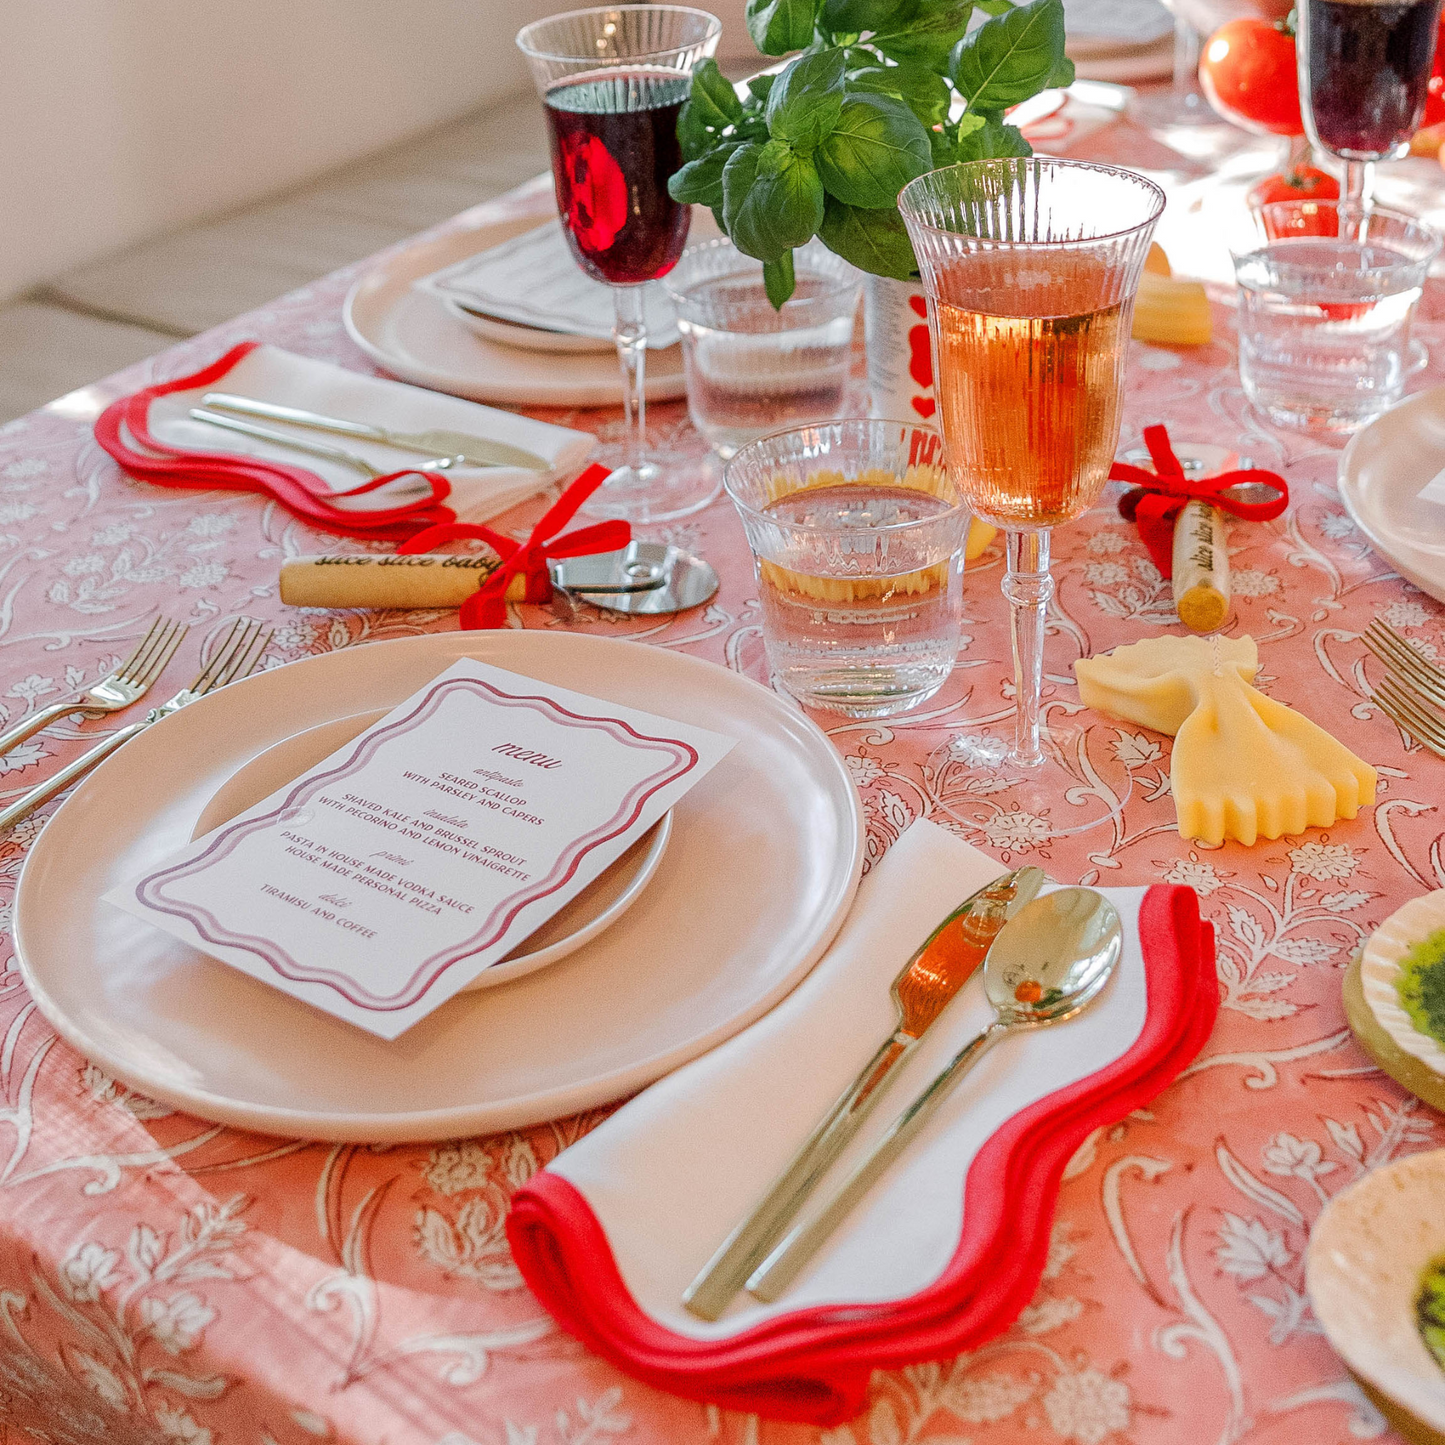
<point x="1380" y="962"/>
<point x="1382" y="472"/>
<point x="762" y="866"/>
<point x="598" y="906"/>
<point x="415" y="336"/>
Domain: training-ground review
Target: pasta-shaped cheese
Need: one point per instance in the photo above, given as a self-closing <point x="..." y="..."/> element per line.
<point x="1244" y="766"/>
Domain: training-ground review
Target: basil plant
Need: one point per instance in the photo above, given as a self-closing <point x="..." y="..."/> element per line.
<point x="883" y="91"/>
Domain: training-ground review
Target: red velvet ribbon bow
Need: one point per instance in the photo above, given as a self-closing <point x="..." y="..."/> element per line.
<point x="1166" y="489"/>
<point x="301" y="492"/>
<point x="487" y="606"/>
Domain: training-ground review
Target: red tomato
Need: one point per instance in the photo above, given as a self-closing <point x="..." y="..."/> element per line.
<point x="1248" y="73"/>
<point x="1304" y="183"/>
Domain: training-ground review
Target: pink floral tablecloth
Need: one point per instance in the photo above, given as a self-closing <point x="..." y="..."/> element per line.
<point x="162" y="1279"/>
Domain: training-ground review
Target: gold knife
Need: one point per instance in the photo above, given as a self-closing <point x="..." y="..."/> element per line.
<point x="929" y="980"/>
<point x="478" y="451"/>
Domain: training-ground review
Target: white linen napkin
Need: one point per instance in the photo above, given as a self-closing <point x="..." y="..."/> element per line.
<point x="670" y="1173"/>
<point x="534" y="280"/>
<point x="271" y="374"/>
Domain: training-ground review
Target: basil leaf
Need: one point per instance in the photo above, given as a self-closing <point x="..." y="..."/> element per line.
<point x="1063" y="73"/>
<point x="699" y="182"/>
<point x="693" y="133"/>
<point x="772" y="200"/>
<point x="994" y="7"/>
<point x="760" y="86"/>
<point x="927" y="95"/>
<point x="874" y="241"/>
<point x="807" y="100"/>
<point x="713" y="95"/>
<point x="993" y="141"/>
<point x="925" y="31"/>
<point x="1011" y="57"/>
<point x="877" y="147"/>
<point x="852" y="17"/>
<point x="778" y="26"/>
<point x="778" y="280"/>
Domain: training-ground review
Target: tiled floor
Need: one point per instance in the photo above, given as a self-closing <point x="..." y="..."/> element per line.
<point x="100" y="317"/>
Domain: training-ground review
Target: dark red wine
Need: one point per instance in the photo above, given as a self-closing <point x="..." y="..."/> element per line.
<point x="614" y="145"/>
<point x="1369" y="65"/>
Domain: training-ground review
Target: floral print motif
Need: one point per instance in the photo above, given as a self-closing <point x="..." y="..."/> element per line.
<point x="163" y="1279"/>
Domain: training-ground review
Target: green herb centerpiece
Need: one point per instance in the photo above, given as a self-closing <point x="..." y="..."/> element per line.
<point x="884" y="91"/>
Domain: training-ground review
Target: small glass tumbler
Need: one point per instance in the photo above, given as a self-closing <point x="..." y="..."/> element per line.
<point x="751" y="369"/>
<point x="1327" y="291"/>
<point x="857" y="538"/>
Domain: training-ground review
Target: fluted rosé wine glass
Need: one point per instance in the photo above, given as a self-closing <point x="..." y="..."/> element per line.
<point x="613" y="80"/>
<point x="1031" y="266"/>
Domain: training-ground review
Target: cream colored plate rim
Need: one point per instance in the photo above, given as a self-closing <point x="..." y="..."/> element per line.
<point x="1398" y="446"/>
<point x="576" y="379"/>
<point x="1374" y="1240"/>
<point x="1380" y="973"/>
<point x="119" y="798"/>
<point x="281" y="763"/>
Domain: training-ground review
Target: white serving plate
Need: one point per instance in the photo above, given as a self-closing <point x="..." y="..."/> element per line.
<point x="413" y="335"/>
<point x="598" y="906"/>
<point x="1382" y="472"/>
<point x="761" y="869"/>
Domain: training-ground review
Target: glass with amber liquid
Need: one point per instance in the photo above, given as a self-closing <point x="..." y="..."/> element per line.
<point x="1031" y="266"/>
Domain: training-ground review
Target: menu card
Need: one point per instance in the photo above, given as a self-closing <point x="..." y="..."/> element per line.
<point x="391" y="874"/>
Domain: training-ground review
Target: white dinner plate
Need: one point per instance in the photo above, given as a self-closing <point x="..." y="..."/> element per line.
<point x="414" y="336"/>
<point x="581" y="919"/>
<point x="763" y="864"/>
<point x="1382" y="472"/>
<point x="528" y="338"/>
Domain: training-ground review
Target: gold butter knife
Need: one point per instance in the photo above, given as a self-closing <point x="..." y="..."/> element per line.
<point x="929" y="980"/>
<point x="478" y="451"/>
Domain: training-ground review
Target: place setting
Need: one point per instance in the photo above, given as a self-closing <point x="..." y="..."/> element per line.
<point x="917" y="863"/>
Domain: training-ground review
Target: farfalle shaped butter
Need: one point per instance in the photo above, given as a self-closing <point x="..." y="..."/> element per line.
<point x="1244" y="766"/>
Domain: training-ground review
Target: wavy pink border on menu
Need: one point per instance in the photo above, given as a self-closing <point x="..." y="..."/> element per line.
<point x="149" y="890"/>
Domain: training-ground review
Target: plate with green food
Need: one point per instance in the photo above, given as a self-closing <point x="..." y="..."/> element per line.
<point x="1402" y="978"/>
<point x="1375" y="1272"/>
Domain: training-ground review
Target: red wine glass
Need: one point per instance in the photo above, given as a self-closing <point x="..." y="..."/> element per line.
<point x="1363" y="73"/>
<point x="613" y="80"/>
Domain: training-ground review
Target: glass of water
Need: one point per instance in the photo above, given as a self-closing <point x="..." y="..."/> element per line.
<point x="857" y="537"/>
<point x="1327" y="291"/>
<point x="751" y="369"/>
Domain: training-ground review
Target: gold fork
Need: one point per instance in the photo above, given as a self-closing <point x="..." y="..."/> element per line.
<point x="928" y="982"/>
<point x="118" y="689"/>
<point x="238" y="655"/>
<point x="1413" y="690"/>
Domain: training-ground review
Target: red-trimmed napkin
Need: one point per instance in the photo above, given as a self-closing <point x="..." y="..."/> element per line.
<point x="151" y="436"/>
<point x="949" y="1246"/>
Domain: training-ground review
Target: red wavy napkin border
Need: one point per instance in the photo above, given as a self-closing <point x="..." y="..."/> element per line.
<point x="814" y="1365"/>
<point x="301" y="492"/>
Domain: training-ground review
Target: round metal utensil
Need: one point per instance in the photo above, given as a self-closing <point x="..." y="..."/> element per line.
<point x="644" y="578"/>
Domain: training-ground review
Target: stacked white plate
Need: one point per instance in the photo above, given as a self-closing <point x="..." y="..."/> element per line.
<point x="762" y="865"/>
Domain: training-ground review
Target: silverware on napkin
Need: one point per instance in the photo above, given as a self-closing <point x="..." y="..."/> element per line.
<point x="1048" y="963"/>
<point x="237" y="656"/>
<point x="123" y="685"/>
<point x="928" y="981"/>
<point x="475" y="451"/>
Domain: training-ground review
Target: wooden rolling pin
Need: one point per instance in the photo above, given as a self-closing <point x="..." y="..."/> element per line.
<point x="428" y="579"/>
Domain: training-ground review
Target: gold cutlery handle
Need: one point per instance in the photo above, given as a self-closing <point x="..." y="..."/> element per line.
<point x="282" y="439"/>
<point x="739" y="1254"/>
<point x="784" y="1264"/>
<point x="248" y="406"/>
<point x="29" y="726"/>
<point x="27" y="803"/>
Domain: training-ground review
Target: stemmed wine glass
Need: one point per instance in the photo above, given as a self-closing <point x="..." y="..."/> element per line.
<point x="1031" y="267"/>
<point x="613" y="80"/>
<point x="1363" y="74"/>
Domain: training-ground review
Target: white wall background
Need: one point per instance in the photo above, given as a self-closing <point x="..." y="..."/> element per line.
<point x="123" y="119"/>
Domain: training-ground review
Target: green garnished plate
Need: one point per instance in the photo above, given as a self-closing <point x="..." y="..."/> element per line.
<point x="1405" y="1069"/>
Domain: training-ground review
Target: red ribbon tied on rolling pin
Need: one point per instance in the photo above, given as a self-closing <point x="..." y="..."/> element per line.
<point x="487" y="606"/>
<point x="1159" y="496"/>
